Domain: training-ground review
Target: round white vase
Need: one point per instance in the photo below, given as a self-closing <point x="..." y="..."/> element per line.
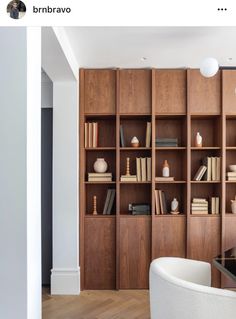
<point x="100" y="166"/>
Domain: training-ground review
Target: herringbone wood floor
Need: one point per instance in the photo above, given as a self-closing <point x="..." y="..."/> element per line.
<point x="123" y="304"/>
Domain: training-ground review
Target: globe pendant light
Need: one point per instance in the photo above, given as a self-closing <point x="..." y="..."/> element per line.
<point x="209" y="67"/>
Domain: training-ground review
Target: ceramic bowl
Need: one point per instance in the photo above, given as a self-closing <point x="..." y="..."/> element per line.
<point x="232" y="168"/>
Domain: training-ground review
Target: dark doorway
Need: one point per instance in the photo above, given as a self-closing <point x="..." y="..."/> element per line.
<point x="46" y="192"/>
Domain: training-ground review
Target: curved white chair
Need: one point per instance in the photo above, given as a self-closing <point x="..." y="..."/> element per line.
<point x="180" y="289"/>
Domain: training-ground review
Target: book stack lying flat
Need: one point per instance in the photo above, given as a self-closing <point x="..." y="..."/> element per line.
<point x="160" y="202"/>
<point x="109" y="202"/>
<point x="199" y="206"/>
<point x="143" y="169"/>
<point x="128" y="178"/>
<point x="140" y="209"/>
<point x="99" y="177"/>
<point x="231" y="176"/>
<point x="215" y="205"/>
<point x="91" y="134"/>
<point x="166" y="142"/>
<point x="164" y="179"/>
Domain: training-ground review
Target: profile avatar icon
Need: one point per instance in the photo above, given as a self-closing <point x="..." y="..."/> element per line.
<point x="16" y="9"/>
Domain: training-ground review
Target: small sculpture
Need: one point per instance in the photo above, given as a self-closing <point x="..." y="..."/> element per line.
<point x="100" y="166"/>
<point x="135" y="142"/>
<point x="166" y="169"/>
<point x="127" y="166"/>
<point x="233" y="205"/>
<point x="198" y="140"/>
<point x="174" y="207"/>
<point x="95" y="205"/>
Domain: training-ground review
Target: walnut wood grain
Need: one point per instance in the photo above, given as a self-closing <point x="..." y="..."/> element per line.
<point x="229" y="91"/>
<point x="100" y="253"/>
<point x="135" y="91"/>
<point x="170" y="87"/>
<point x="135" y="252"/>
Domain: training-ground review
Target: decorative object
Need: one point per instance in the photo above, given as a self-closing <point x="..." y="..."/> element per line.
<point x="198" y="140"/>
<point x="232" y="168"/>
<point x="166" y="169"/>
<point x="233" y="205"/>
<point x="95" y="205"/>
<point x="127" y="166"/>
<point x="100" y="166"/>
<point x="209" y="67"/>
<point x="135" y="142"/>
<point x="175" y="207"/>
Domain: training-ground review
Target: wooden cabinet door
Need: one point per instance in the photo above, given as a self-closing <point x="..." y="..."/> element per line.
<point x="99" y="253"/>
<point x="229" y="91"/>
<point x="204" y="94"/>
<point x="135" y="245"/>
<point x="170" y="91"/>
<point x="100" y="91"/>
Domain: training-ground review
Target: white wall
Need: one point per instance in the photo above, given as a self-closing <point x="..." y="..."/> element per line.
<point x="20" y="273"/>
<point x="65" y="273"/>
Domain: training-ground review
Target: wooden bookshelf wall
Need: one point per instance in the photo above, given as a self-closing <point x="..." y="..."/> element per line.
<point x="116" y="250"/>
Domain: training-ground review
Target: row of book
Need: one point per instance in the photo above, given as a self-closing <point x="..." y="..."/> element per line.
<point x="231" y="176"/>
<point x="160" y="202"/>
<point x="91" y="134"/>
<point x="147" y="139"/>
<point x="166" y="142"/>
<point x="109" y="202"/>
<point x="99" y="177"/>
<point x="209" y="170"/>
<point x="201" y="206"/>
<point x="144" y="169"/>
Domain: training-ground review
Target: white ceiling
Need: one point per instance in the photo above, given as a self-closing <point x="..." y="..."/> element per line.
<point x="164" y="47"/>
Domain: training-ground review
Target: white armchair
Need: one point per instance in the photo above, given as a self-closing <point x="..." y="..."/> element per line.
<point x="180" y="289"/>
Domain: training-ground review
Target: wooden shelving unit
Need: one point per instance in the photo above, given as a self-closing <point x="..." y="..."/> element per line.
<point x="116" y="250"/>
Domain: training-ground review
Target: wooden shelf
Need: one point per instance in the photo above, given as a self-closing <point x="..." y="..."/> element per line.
<point x="205" y="182"/>
<point x="230" y="182"/>
<point x="91" y="183"/>
<point x="230" y="148"/>
<point x="170" y="215"/>
<point x="100" y="148"/>
<point x="126" y="215"/>
<point x="135" y="182"/>
<point x="230" y="214"/>
<point x="206" y="215"/>
<point x="135" y="149"/>
<point x="193" y="148"/>
<point x="99" y="216"/>
<point x="171" y="182"/>
<point x="99" y="115"/>
<point x="166" y="148"/>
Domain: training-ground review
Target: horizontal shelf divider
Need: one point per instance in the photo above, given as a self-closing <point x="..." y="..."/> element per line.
<point x="135" y="182"/>
<point x="205" y="182"/>
<point x="206" y="215"/>
<point x="167" y="148"/>
<point x="171" y="182"/>
<point x="134" y="216"/>
<point x="203" y="148"/>
<point x="141" y="148"/>
<point x="100" y="148"/>
<point x="169" y="215"/>
<point x="88" y="183"/>
<point x="99" y="216"/>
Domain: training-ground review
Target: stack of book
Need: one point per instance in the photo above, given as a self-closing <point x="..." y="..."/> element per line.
<point x="231" y="176"/>
<point x="144" y="169"/>
<point x="199" y="206"/>
<point x="91" y="134"/>
<point x="109" y="202"/>
<point x="215" y="205"/>
<point x="160" y="202"/>
<point x="140" y="209"/>
<point x="148" y="135"/>
<point x="164" y="179"/>
<point x="99" y="177"/>
<point x="128" y="178"/>
<point x="166" y="142"/>
<point x="200" y="172"/>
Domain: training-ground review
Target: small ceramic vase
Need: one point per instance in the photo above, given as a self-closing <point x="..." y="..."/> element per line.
<point x="166" y="169"/>
<point x="174" y="206"/>
<point x="233" y="205"/>
<point x="100" y="166"/>
<point x="135" y="142"/>
<point x="198" y="140"/>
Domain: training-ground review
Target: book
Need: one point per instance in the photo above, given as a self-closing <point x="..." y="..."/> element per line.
<point x="99" y="179"/>
<point x="213" y="205"/>
<point x="164" y="202"/>
<point x="199" y="212"/>
<point x="85" y="135"/>
<point x="138" y="169"/>
<point x="200" y="208"/>
<point x="111" y="202"/>
<point x="161" y="202"/>
<point x="149" y="169"/>
<point x="90" y="135"/>
<point x="94" y="137"/>
<point x="218" y="175"/>
<point x="106" y="201"/>
<point x="166" y="140"/>
<point x="200" y="204"/>
<point x="213" y="168"/>
<point x="157" y="202"/>
<point x="148" y="135"/>
<point x="100" y="174"/>
<point x="199" y="200"/>
<point x="143" y="169"/>
<point x="130" y="178"/>
<point x="122" y="138"/>
<point x="231" y="174"/>
<point x="164" y="179"/>
<point x="209" y="169"/>
<point x="200" y="172"/>
<point x="217" y="205"/>
<point x="231" y="178"/>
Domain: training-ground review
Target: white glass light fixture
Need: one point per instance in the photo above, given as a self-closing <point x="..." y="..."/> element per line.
<point x="209" y="67"/>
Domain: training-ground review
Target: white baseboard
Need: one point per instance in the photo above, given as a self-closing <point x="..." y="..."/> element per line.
<point x="65" y="281"/>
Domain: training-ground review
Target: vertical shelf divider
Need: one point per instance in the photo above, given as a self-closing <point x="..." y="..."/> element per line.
<point x="117" y="179"/>
<point x="153" y="160"/>
<point x="188" y="167"/>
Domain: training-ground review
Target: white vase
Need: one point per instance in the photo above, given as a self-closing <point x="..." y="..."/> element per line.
<point x="198" y="140"/>
<point x="100" y="166"/>
<point x="233" y="206"/>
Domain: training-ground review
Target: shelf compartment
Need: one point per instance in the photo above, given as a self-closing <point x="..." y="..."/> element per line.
<point x="209" y="128"/>
<point x="101" y="192"/>
<point x="132" y="155"/>
<point x="110" y="158"/>
<point x="177" y="162"/>
<point x="231" y="132"/>
<point x="229" y="195"/>
<point x="174" y="191"/>
<point x="134" y="193"/>
<point x="135" y="127"/>
<point x="230" y="159"/>
<point x="106" y="132"/>
<point x="172" y="128"/>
